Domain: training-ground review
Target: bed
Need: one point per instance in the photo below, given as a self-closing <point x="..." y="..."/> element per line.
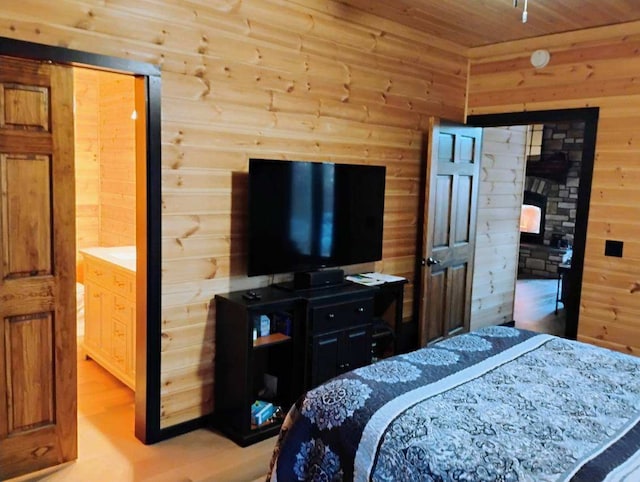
<point x="495" y="404"/>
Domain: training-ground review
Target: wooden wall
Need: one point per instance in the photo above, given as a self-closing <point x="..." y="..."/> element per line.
<point x="289" y="79"/>
<point x="117" y="160"/>
<point x="105" y="160"/>
<point x="87" y="163"/>
<point x="498" y="233"/>
<point x="595" y="68"/>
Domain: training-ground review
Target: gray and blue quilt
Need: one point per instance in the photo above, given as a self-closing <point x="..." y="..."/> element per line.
<point x="498" y="404"/>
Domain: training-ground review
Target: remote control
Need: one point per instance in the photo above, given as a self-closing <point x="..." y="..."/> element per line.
<point x="251" y="295"/>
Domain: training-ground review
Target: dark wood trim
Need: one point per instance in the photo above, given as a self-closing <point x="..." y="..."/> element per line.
<point x="206" y="421"/>
<point x="29" y="50"/>
<point x="147" y="419"/>
<point x="148" y="348"/>
<point x="590" y="117"/>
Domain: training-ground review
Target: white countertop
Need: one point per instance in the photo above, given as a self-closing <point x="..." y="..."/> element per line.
<point x="122" y="256"/>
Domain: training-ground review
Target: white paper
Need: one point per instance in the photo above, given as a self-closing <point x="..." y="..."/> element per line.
<point x="364" y="280"/>
<point x="387" y="278"/>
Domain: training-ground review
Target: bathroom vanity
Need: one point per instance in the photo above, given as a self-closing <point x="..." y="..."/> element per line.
<point x="110" y="309"/>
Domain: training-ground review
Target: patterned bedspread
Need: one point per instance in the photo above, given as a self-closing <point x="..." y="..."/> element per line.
<point x="495" y="404"/>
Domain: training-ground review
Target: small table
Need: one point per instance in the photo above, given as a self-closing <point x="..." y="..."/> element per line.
<point x="562" y="270"/>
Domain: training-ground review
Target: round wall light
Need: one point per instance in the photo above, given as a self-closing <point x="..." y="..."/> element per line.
<point x="540" y="58"/>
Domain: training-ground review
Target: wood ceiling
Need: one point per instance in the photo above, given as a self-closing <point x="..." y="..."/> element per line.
<point x="475" y="23"/>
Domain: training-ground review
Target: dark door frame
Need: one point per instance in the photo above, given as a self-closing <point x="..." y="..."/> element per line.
<point x="148" y="330"/>
<point x="590" y="117"/>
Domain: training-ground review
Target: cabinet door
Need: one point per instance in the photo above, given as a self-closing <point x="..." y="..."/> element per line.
<point x="106" y="327"/>
<point x="325" y="361"/>
<point x="93" y="314"/>
<point x="355" y="351"/>
<point x="119" y="354"/>
<point x="122" y="348"/>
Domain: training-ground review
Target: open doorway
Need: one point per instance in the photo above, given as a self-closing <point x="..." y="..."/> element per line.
<point x="105" y="118"/>
<point x="553" y="161"/>
<point x="588" y="117"/>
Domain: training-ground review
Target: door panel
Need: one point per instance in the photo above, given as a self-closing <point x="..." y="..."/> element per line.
<point x="457" y="292"/>
<point x="446" y="144"/>
<point x="26" y="226"/>
<point x="444" y="193"/>
<point x="24" y="107"/>
<point x="463" y="216"/>
<point x="437" y="303"/>
<point x="30" y="380"/>
<point x="326" y="354"/>
<point x="452" y="174"/>
<point x="357" y="348"/>
<point x="38" y="424"/>
<point x="467" y="149"/>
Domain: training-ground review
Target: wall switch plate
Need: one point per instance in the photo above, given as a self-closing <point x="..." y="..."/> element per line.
<point x="613" y="248"/>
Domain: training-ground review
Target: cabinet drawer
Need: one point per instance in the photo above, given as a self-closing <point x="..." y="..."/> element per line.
<point x="122" y="283"/>
<point x="97" y="272"/>
<point x="341" y="315"/>
<point x="123" y="309"/>
<point x="113" y="278"/>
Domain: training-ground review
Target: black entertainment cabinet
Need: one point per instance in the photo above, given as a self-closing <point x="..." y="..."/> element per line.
<point x="330" y="330"/>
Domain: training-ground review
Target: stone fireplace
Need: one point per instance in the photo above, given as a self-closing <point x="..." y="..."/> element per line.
<point x="554" y="184"/>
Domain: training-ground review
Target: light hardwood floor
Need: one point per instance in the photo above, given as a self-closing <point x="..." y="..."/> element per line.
<point x="535" y="306"/>
<point x="108" y="450"/>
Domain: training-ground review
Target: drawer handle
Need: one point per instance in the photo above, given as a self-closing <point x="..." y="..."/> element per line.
<point x="331" y="316"/>
<point x="118" y="283"/>
<point x="97" y="272"/>
<point x="360" y="309"/>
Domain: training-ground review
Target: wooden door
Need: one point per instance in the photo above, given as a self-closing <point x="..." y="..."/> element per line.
<point x="453" y="162"/>
<point x="38" y="425"/>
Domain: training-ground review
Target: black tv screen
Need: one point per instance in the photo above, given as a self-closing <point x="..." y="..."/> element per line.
<point x="304" y="216"/>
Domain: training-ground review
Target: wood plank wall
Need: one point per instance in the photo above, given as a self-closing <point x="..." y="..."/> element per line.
<point x="289" y="79"/>
<point x="594" y="68"/>
<point x="117" y="160"/>
<point x="498" y="234"/>
<point x="87" y="168"/>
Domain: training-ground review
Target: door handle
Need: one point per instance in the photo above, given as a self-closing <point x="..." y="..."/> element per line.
<point x="431" y="261"/>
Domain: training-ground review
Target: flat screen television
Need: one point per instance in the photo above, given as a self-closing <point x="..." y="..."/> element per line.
<point x="304" y="216"/>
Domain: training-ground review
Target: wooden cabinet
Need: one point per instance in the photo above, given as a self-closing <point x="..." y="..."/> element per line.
<point x="110" y="312"/>
<point x="340" y="338"/>
<point x="329" y="333"/>
<point x="267" y="368"/>
<point x="314" y="336"/>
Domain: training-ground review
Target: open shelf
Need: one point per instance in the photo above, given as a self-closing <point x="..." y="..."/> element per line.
<point x="272" y="339"/>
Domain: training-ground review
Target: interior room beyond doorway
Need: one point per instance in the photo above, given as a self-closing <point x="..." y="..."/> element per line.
<point x="105" y="170"/>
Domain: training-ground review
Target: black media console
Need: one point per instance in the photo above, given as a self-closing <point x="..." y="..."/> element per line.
<point x="314" y="335"/>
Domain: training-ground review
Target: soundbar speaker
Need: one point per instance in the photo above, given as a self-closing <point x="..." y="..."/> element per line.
<point x="317" y="279"/>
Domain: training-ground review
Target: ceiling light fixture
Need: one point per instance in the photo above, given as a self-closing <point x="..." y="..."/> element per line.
<point x="524" y="11"/>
